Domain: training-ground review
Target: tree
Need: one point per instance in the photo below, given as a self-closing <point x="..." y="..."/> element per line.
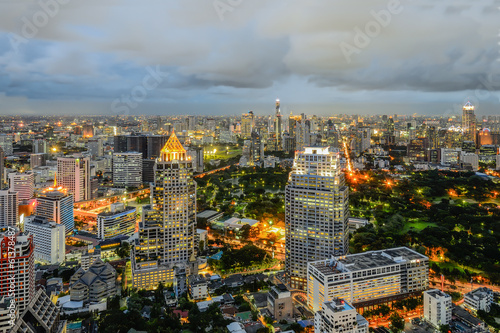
<point x="397" y="322"/>
<point x="295" y="327"/>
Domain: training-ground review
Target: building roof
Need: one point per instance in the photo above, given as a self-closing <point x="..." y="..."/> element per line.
<point x="367" y="260"/>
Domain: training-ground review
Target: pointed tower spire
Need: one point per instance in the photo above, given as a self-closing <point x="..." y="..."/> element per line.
<point x="173" y="149"/>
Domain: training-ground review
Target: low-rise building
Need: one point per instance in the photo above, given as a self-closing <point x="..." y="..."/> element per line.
<point x="93" y="285"/>
<point x="198" y="287"/>
<point x="120" y="220"/>
<point x="279" y="302"/>
<point x="367" y="278"/>
<point x="437" y="307"/>
<point x="338" y="316"/>
<point x="479" y="299"/>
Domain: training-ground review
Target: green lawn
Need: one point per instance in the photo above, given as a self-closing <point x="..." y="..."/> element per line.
<point x="418" y="226"/>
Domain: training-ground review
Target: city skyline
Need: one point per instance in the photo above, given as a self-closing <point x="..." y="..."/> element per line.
<point x="228" y="58"/>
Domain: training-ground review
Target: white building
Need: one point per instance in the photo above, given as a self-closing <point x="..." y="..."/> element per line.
<point x="316" y="212"/>
<point x="479" y="299"/>
<point x="22" y="183"/>
<point x="338" y="316"/>
<point x="120" y="220"/>
<point x="73" y="173"/>
<point x="437" y="307"/>
<point x="198" y="287"/>
<point x="127" y="169"/>
<point x="470" y="158"/>
<point x="367" y="278"/>
<point x="49" y="239"/>
<point x="450" y="156"/>
<point x="8" y="208"/>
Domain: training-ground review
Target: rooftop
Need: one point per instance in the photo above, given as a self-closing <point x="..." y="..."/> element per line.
<point x="367" y="260"/>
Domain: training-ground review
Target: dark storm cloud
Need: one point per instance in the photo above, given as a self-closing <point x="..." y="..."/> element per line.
<point x="251" y="51"/>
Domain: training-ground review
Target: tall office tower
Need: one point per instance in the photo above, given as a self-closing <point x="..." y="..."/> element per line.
<point x="37" y="160"/>
<point x="2" y="167"/>
<point x="8" y="208"/>
<point x="166" y="234"/>
<point x="247" y="124"/>
<point x="469" y="122"/>
<point x="127" y="169"/>
<point x="17" y="266"/>
<point x="210" y="124"/>
<point x="73" y="173"/>
<point x="191" y="123"/>
<point x="6" y="144"/>
<point x="278" y="127"/>
<point x="39" y="146"/>
<point x="316" y="212"/>
<point x="22" y="183"/>
<point x="56" y="204"/>
<point x="48" y="237"/>
<point x="95" y="147"/>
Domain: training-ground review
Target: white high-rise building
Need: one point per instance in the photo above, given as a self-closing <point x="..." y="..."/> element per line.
<point x="17" y="276"/>
<point x="8" y="208"/>
<point x="73" y="173"/>
<point x="127" y="169"/>
<point x="316" y="212"/>
<point x="48" y="237"/>
<point x="56" y="204"/>
<point x="166" y="234"/>
<point x="437" y="307"/>
<point x="338" y="316"/>
<point x="22" y="183"/>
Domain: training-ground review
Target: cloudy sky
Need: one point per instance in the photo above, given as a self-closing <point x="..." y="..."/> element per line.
<point x="229" y="56"/>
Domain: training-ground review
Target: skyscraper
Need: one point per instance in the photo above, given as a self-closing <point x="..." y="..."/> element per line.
<point x="2" y="157"/>
<point x="127" y="169"/>
<point x="8" y="208"/>
<point x="55" y="204"/>
<point x="73" y="173"/>
<point x="166" y="233"/>
<point x="23" y="183"/>
<point x="17" y="276"/>
<point x="278" y="126"/>
<point x="247" y="124"/>
<point x="469" y="122"/>
<point x="316" y="212"/>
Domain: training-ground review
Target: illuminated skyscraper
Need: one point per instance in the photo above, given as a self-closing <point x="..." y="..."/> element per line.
<point x="247" y="124"/>
<point x="166" y="233"/>
<point x="73" y="173"/>
<point x="23" y="183"/>
<point x="316" y="212"/>
<point x="278" y="127"/>
<point x="55" y="204"/>
<point x="469" y="122"/>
